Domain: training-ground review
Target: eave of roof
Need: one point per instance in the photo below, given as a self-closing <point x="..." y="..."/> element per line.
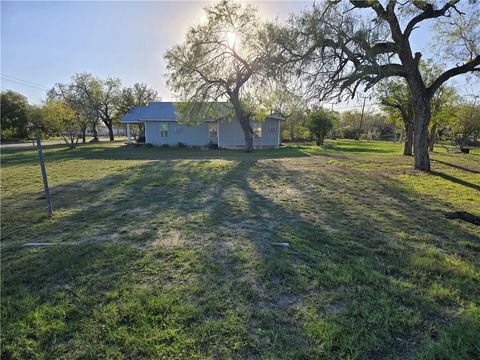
<point x="162" y="111"/>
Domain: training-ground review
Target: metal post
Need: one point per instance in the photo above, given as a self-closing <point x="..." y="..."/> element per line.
<point x="44" y="176"/>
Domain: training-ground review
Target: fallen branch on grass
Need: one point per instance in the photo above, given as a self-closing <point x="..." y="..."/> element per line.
<point x="463" y="215"/>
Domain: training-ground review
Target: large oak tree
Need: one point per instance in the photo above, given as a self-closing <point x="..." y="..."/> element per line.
<point x="339" y="46"/>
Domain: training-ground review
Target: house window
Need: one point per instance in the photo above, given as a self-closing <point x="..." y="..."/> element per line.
<point x="163" y="130"/>
<point x="178" y="130"/>
<point x="271" y="129"/>
<point x="257" y="131"/>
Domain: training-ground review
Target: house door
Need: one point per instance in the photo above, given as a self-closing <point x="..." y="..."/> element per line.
<point x="212" y="133"/>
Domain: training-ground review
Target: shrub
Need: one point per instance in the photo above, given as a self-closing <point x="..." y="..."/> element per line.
<point x="320" y="123"/>
<point x="351" y="133"/>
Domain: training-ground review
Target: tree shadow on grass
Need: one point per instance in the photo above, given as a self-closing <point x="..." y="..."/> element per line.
<point x="367" y="267"/>
<point x="102" y="152"/>
<point x="456" y="180"/>
<point x="458" y="167"/>
<point x="319" y="263"/>
<point x="352" y="149"/>
<point x="205" y="310"/>
<point x="353" y="281"/>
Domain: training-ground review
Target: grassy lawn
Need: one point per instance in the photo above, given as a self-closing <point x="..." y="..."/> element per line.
<point x="170" y="254"/>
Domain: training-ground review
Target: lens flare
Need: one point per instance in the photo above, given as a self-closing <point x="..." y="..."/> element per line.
<point x="232" y="39"/>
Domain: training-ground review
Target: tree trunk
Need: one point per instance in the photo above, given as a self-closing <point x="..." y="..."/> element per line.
<point x="110" y="131"/>
<point x="420" y="133"/>
<point x="408" y="145"/>
<point x="433" y="137"/>
<point x="109" y="124"/>
<point x="95" y="133"/>
<point x="244" y="120"/>
<point x="83" y="135"/>
<point x="361" y="118"/>
<point x="461" y="142"/>
<point x="247" y="131"/>
<point x="320" y="140"/>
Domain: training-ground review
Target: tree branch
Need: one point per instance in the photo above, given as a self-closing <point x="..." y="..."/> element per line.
<point x="428" y="13"/>
<point x="473" y="65"/>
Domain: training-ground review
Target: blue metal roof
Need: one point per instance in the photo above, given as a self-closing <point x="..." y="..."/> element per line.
<point x="159" y="111"/>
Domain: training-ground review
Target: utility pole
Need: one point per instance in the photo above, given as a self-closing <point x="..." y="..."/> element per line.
<point x="44" y="175"/>
<point x="363" y="113"/>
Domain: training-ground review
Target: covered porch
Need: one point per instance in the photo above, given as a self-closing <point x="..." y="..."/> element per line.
<point x="135" y="132"/>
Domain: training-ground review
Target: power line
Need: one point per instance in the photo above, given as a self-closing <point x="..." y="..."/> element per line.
<point x="23" y="82"/>
<point x="463" y="85"/>
<point x="20" y="83"/>
<point x="354" y="106"/>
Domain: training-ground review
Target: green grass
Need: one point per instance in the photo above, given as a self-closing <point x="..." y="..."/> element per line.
<point x="169" y="253"/>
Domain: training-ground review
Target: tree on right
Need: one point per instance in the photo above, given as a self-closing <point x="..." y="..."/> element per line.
<point x="342" y="47"/>
<point x="396" y="101"/>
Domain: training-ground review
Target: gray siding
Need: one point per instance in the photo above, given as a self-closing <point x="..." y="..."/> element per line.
<point x="231" y="134"/>
<point x="193" y="135"/>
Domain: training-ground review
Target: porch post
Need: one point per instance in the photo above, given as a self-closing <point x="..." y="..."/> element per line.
<point x="279" y="124"/>
<point x="129" y="135"/>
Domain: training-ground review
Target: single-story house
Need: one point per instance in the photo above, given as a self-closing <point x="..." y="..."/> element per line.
<point x="162" y="128"/>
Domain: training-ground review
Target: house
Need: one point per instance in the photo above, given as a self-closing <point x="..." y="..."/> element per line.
<point x="162" y="128"/>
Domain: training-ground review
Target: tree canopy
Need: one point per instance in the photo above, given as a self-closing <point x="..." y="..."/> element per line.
<point x="59" y="118"/>
<point x="14" y="114"/>
<point x="139" y="94"/>
<point x="93" y="98"/>
<point x="467" y="123"/>
<point x="222" y="59"/>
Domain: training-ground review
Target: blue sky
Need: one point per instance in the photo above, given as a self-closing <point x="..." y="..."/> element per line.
<point x="46" y="42"/>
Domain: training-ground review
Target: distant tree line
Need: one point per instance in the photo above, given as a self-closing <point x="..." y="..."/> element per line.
<point x="68" y="113"/>
<point x="454" y="120"/>
<point x="72" y="108"/>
